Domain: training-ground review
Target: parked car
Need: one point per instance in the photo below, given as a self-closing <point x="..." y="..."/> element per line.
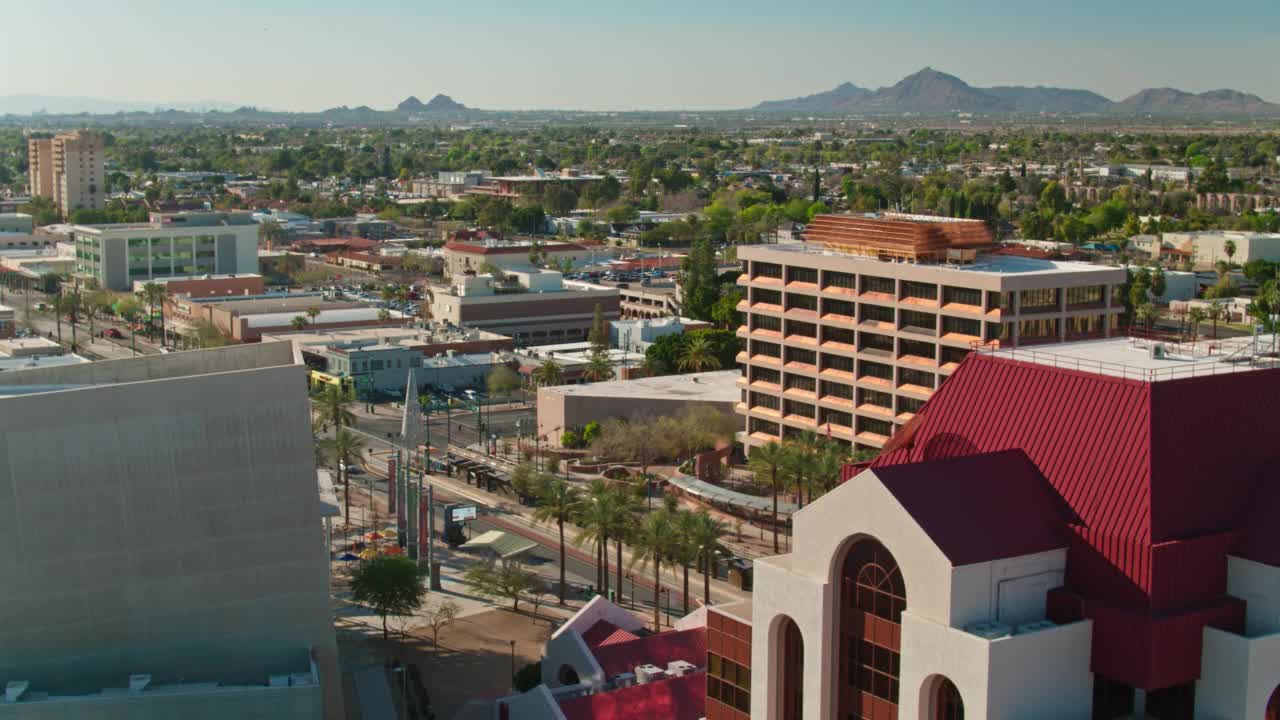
<point x="113" y="333"/>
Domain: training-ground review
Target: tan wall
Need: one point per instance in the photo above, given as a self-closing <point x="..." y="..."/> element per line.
<point x="40" y="167"/>
<point x="217" y="287"/>
<point x="556" y="409"/>
<point x="169" y="527"/>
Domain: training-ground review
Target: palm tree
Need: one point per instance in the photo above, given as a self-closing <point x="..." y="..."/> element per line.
<point x="651" y="542"/>
<point x="1145" y="314"/>
<point x="1195" y="317"/>
<point x="685" y="548"/>
<point x="767" y="460"/>
<point x="298" y="322"/>
<point x="698" y="355"/>
<point x="312" y="313"/>
<point x="1216" y="311"/>
<point x="1229" y="247"/>
<point x="626" y="508"/>
<point x="71" y="306"/>
<point x="548" y="373"/>
<point x="707" y="532"/>
<point x="827" y="465"/>
<point x="344" y="447"/>
<point x="88" y="306"/>
<point x="558" y="502"/>
<point x="332" y="406"/>
<point x="597" y="368"/>
<point x="649" y="367"/>
<point x="595" y="517"/>
<point x="58" y="304"/>
<point x="154" y="294"/>
<point x="383" y="314"/>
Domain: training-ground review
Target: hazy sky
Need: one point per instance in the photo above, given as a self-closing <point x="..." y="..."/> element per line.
<point x="619" y="54"/>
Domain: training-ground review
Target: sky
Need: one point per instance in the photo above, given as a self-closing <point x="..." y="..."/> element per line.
<point x="619" y="54"/>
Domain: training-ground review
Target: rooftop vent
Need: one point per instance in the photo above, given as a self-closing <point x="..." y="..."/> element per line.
<point x="139" y="682"/>
<point x="649" y="673"/>
<point x="14" y="689"/>
<point x="679" y="668"/>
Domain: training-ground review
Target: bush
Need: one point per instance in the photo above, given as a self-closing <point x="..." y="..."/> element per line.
<point x="571" y="439"/>
<point x="528" y="677"/>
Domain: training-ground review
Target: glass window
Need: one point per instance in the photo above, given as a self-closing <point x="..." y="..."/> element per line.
<point x="1041" y="299"/>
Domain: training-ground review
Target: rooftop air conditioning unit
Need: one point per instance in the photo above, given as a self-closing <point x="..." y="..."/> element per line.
<point x="301" y="679"/>
<point x="278" y="681"/>
<point x="990" y="630"/>
<point x="14" y="689"/>
<point x="649" y="673"/>
<point x="139" y="682"/>
<point x="622" y="680"/>
<point x="679" y="668"/>
<point x="1036" y="626"/>
<point x="1157" y="351"/>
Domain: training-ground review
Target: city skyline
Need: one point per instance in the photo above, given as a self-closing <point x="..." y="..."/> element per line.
<point x="610" y="57"/>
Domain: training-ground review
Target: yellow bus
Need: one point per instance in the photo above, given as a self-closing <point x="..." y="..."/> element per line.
<point x="319" y="379"/>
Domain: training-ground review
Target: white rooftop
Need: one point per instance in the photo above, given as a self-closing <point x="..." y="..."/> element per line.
<point x="719" y="386"/>
<point x="1001" y="265"/>
<point x="1152" y="360"/>
<point x="344" y="315"/>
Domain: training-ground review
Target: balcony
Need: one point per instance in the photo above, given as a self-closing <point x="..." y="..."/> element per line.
<point x="875" y="352"/>
<point x="962" y="308"/>
<point x="840" y="402"/>
<point x="844" y="432"/>
<point x="743" y="306"/>
<point x="766" y="386"/>
<point x="840" y="291"/>
<point x="802" y="286"/>
<point x="764" y="307"/>
<point x="845" y="348"/>
<point x="798" y="366"/>
<point x="742" y="331"/>
<point x="765" y="280"/>
<point x="870" y="438"/>
<point x="741" y="381"/>
<point x="766" y="411"/>
<point x="918" y="360"/>
<point x="741" y="357"/>
<point x="763" y="334"/>
<point x="843" y="321"/>
<point x="763" y="437"/>
<point x="918" y="391"/>
<point x="875" y="382"/>
<point x="904" y="417"/>
<point x="876" y="325"/>
<point x="804" y="420"/>
<point x="801" y="314"/>
<point x="878" y="410"/>
<point x="877" y="297"/>
<point x="766" y="360"/>
<point x="806" y="340"/>
<point x="835" y="374"/>
<point x="962" y="339"/>
<point x="800" y="394"/>
<point x="919" y="302"/>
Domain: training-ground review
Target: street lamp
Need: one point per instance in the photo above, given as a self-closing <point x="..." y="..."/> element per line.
<point x="513" y="665"/>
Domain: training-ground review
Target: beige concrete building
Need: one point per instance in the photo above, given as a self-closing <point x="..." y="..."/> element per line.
<point x="69" y="169"/>
<point x="164" y="534"/>
<point x="532" y="306"/>
<point x="573" y="406"/>
<point x="20" y="223"/>
<point x="461" y="256"/>
<point x="188" y="244"/>
<point x="850" y="345"/>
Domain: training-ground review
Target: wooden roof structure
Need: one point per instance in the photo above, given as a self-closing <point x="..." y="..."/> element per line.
<point x="900" y="236"/>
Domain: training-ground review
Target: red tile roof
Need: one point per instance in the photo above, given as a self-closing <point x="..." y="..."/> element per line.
<point x="682" y="698"/>
<point x="606" y="633"/>
<point x="982" y="507"/>
<point x="623" y="657"/>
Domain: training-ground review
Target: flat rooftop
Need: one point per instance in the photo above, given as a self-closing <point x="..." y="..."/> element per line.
<point x="1152" y="360"/>
<point x="384" y="335"/>
<point x="997" y="265"/>
<point x="719" y="386"/>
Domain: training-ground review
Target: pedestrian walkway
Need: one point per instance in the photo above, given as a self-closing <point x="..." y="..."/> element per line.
<point x="373" y="694"/>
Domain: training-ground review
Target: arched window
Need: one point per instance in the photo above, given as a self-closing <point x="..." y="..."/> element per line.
<point x="1273" y="705"/>
<point x="947" y="704"/>
<point x="872" y="598"/>
<point x="791" y="664"/>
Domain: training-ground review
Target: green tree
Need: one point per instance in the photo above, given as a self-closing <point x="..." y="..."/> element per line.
<point x="298" y="322"/>
<point x="698" y="356"/>
<point x="389" y="585"/>
<point x="767" y="462"/>
<point x="725" y="312"/>
<point x="1195" y="317"/>
<point x="501" y="580"/>
<point x="502" y="381"/>
<point x="596" y="512"/>
<point x="598" y="336"/>
<point x="558" y="502"/>
<point x="653" y="540"/>
<point x="344" y="448"/>
<point x="313" y="312"/>
<point x="1229" y="247"/>
<point x="685" y="550"/>
<point x="708" y="534"/>
<point x="331" y="406"/>
<point x="598" y="367"/>
<point x="700" y="285"/>
<point x="547" y="374"/>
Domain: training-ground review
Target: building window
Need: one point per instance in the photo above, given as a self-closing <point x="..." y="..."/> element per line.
<point x="882" y="285"/>
<point x="791" y="662"/>
<point x="843" y="308"/>
<point x="1088" y="295"/>
<point x="1033" y="330"/>
<point x="876" y="314"/>
<point x="919" y="291"/>
<point x="766" y="270"/>
<point x="802" y="275"/>
<point x="947" y="704"/>
<point x="801" y="302"/>
<point x="766" y="322"/>
<point x="872" y="599"/>
<point x="961" y="296"/>
<point x="1041" y="300"/>
<point x="840" y="280"/>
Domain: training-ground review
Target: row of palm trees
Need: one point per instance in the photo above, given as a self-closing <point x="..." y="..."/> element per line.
<point x="699" y="355"/>
<point x="608" y="512"/>
<point x="804" y="463"/>
<point x="331" y="407"/>
<point x="92" y="303"/>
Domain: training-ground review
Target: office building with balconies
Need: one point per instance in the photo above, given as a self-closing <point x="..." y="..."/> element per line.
<point x="849" y="333"/>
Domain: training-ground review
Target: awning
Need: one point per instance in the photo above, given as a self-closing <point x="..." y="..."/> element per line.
<point x="504" y="545"/>
<point x="717" y="495"/>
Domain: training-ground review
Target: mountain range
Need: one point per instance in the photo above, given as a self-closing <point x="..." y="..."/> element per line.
<point x="931" y="91"/>
<point x="29" y="104"/>
<point x="439" y="103"/>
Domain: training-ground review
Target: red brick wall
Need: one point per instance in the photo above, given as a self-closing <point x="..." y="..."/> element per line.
<point x="729" y="639"/>
<point x="216" y="287"/>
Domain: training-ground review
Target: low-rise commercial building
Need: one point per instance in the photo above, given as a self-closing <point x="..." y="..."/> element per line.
<point x="430" y="341"/>
<point x="532" y="306"/>
<point x="211" y="286"/>
<point x="1208" y="247"/>
<point x="849" y="333"/>
<point x="562" y="407"/>
<point x="169" y="245"/>
<point x="248" y="318"/>
<point x="173" y="564"/>
<point x="573" y="359"/>
<point x="638" y="334"/>
<point x="462" y="256"/>
<point x="18" y="223"/>
<point x="385" y="368"/>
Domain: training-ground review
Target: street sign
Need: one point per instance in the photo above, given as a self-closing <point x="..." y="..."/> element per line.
<point x="462" y="513"/>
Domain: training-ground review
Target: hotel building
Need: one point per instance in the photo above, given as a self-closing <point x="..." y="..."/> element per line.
<point x="69" y="169"/>
<point x="849" y="333"/>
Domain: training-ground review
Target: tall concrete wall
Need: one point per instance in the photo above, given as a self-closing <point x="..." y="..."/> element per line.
<point x="167" y="527"/>
<point x="156" y="367"/>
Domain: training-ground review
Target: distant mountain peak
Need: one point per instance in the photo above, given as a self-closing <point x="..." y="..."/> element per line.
<point x="411" y="104"/>
<point x="439" y="103"/>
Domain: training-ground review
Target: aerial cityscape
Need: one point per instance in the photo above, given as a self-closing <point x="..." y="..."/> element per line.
<point x="570" y="361"/>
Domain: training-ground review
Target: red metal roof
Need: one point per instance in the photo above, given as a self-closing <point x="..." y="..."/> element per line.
<point x="689" y="645"/>
<point x="1168" y="477"/>
<point x="606" y="633"/>
<point x="682" y="698"/>
<point x="982" y="507"/>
